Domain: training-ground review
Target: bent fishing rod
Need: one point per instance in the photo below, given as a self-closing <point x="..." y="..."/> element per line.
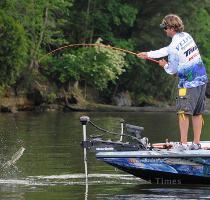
<point x="97" y="45"/>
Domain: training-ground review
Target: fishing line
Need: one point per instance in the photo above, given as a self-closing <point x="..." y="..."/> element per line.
<point x="98" y="45"/>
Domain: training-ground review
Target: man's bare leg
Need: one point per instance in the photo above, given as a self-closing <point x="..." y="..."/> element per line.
<point x="197" y="122"/>
<point x="183" y="126"/>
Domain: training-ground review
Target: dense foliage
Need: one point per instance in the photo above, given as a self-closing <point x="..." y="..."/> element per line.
<point x="44" y="25"/>
<point x="96" y="66"/>
<point x="13" y="49"/>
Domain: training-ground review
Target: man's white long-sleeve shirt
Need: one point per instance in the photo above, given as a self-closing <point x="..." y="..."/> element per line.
<point x="184" y="59"/>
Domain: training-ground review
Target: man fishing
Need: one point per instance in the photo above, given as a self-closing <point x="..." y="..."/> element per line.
<point x="184" y="60"/>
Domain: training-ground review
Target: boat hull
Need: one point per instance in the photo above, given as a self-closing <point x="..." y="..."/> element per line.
<point x="165" y="177"/>
<point x="162" y="169"/>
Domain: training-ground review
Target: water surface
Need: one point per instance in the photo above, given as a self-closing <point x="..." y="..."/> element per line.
<point x="52" y="164"/>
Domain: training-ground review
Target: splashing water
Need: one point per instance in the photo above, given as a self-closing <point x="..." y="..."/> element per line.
<point x="14" y="158"/>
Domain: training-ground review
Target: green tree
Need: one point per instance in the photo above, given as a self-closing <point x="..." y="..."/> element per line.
<point x="13" y="49"/>
<point x="97" y="66"/>
<point x="43" y="21"/>
<point x="133" y="25"/>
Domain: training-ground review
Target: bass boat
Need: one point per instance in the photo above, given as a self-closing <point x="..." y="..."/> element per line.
<point x="160" y="163"/>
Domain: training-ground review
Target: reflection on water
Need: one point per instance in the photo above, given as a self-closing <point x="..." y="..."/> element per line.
<point x="52" y="165"/>
<point x="158" y="192"/>
<point x="105" y="186"/>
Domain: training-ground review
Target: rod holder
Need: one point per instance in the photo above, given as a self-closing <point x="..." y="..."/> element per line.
<point x="122" y="131"/>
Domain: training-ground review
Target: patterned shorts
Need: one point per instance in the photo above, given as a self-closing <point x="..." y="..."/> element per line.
<point x="191" y="101"/>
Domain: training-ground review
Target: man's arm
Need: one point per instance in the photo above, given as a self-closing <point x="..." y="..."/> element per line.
<point x="163" y="52"/>
<point x="173" y="60"/>
<point x="172" y="65"/>
<point x="154" y="54"/>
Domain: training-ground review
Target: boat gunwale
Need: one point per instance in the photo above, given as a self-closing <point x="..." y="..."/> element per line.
<point x="157" y="154"/>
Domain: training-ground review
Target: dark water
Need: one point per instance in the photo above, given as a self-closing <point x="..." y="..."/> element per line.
<point x="52" y="165"/>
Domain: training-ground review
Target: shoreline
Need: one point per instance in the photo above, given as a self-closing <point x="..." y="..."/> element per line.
<point x="84" y="108"/>
<point x="89" y="107"/>
<point x="112" y="108"/>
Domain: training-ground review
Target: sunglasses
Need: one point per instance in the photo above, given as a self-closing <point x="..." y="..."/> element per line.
<point x="164" y="26"/>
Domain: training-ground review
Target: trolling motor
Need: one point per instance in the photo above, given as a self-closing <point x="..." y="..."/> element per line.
<point x="97" y="144"/>
<point x="84" y="120"/>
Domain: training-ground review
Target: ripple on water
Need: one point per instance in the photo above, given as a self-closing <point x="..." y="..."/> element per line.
<point x="74" y="179"/>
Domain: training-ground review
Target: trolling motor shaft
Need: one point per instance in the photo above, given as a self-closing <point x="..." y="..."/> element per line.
<point x="84" y="121"/>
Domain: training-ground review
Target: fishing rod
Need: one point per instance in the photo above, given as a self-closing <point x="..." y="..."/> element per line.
<point x="98" y="45"/>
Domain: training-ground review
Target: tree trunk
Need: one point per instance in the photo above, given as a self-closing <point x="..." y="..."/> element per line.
<point x="34" y="54"/>
<point x="87" y="20"/>
<point x="92" y="25"/>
